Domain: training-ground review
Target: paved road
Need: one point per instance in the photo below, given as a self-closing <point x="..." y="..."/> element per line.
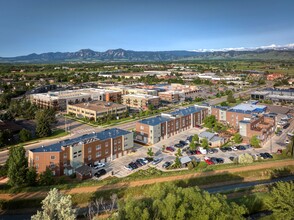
<point x="245" y="185"/>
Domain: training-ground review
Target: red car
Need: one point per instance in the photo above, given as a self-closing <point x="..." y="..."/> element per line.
<point x="171" y="149"/>
<point x="208" y="161"/>
<point x="198" y="152"/>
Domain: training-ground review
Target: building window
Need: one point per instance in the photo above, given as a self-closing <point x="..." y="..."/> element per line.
<point x="89" y="149"/>
<point x="53" y="172"/>
<point x="64" y="155"/>
<point x="98" y="147"/>
<point x="37" y="158"/>
<point x="142" y="127"/>
<point x="114" y="149"/>
<point x="37" y="166"/>
<point x="106" y="144"/>
<point x="89" y="157"/>
<point x="52" y="165"/>
<point x="98" y="154"/>
<point x="118" y="141"/>
<point x="52" y="157"/>
<point x="106" y="151"/>
<point x="65" y="164"/>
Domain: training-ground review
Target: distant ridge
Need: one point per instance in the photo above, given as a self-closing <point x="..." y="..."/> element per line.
<point x="271" y="52"/>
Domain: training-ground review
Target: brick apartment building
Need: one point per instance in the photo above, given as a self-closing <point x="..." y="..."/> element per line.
<point x="96" y="109"/>
<point x="261" y="126"/>
<point x="232" y="116"/>
<point x="153" y="130"/>
<point x="141" y="101"/>
<point x="63" y="157"/>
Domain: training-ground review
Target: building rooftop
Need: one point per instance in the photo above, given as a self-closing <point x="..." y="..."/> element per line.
<point x="103" y="135"/>
<point x="98" y="106"/>
<point x="167" y="116"/>
<point x="248" y="108"/>
<point x="141" y="96"/>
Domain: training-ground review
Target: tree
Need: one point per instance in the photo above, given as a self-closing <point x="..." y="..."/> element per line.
<point x="167" y="201"/>
<point x="231" y="98"/>
<point x="44" y="119"/>
<point x="56" y="206"/>
<point x="204" y="143"/>
<point x="195" y="138"/>
<point x="25" y="135"/>
<point x="17" y="166"/>
<point x="280" y="200"/>
<point x="46" y="178"/>
<point x="179" y="153"/>
<point x="254" y="141"/>
<point x="237" y="138"/>
<point x="244" y="158"/>
<point x="177" y="163"/>
<point x="224" y="104"/>
<point x="210" y="121"/>
<point x="31" y="177"/>
<point x="150" y="152"/>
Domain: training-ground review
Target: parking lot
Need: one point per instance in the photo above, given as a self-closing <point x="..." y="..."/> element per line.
<point x="117" y="167"/>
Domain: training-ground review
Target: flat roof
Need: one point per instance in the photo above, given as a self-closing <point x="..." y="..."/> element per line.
<point x="146" y="96"/>
<point x="155" y="120"/>
<point x="103" y="135"/>
<point x="248" y="108"/>
<point x="98" y="106"/>
<point x="186" y="111"/>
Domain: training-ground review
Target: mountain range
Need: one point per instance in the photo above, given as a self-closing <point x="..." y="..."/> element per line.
<point x="271" y="52"/>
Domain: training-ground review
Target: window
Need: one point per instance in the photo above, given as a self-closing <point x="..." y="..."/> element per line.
<point x="89" y="157"/>
<point x="37" y="166"/>
<point x="106" y="151"/>
<point x="52" y="165"/>
<point x="114" y="149"/>
<point x="37" y="158"/>
<point x="89" y="149"/>
<point x="118" y="141"/>
<point x="64" y="164"/>
<point x="64" y="155"/>
<point x="98" y="154"/>
<point x="53" y="172"/>
<point x="106" y="144"/>
<point x="52" y="157"/>
<point x="142" y="127"/>
<point x="80" y="151"/>
<point x="98" y="147"/>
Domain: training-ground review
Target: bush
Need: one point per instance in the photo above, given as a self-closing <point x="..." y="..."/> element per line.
<point x="244" y="159"/>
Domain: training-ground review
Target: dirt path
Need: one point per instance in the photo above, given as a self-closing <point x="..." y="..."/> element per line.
<point x="91" y="189"/>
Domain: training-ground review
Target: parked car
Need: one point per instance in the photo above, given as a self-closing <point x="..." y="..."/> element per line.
<point x="171" y="149"/>
<point x="157" y="161"/>
<point x="223" y="149"/>
<point x="145" y="160"/>
<point x="208" y="161"/>
<point x="182" y="142"/>
<point x="231" y="158"/>
<point x="240" y="147"/>
<point x="202" y="150"/>
<point x="100" y="173"/>
<point x="179" y="145"/>
<point x="268" y="155"/>
<point x="128" y="167"/>
<point x="210" y="151"/>
<point x="215" y="150"/>
<point x="263" y="156"/>
<point x="133" y="165"/>
<point x="287" y="141"/>
<point x="213" y="160"/>
<point x="166" y="164"/>
<point x="141" y="162"/>
<point x="98" y="165"/>
<point x="220" y="160"/>
<point x="234" y="148"/>
<point x="229" y="149"/>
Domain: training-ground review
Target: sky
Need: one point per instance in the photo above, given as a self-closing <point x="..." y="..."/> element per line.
<point x="38" y="26"/>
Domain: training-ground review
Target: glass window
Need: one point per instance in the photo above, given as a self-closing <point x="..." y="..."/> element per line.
<point x="89" y="157"/>
<point x="89" y="149"/>
<point x="52" y="157"/>
<point x="37" y="158"/>
<point x="98" y="154"/>
<point x="98" y="147"/>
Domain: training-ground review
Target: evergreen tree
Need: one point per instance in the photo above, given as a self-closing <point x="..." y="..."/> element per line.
<point x="46" y="178"/>
<point x="231" y="98"/>
<point x="17" y="166"/>
<point x="24" y="135"/>
<point x="204" y="143"/>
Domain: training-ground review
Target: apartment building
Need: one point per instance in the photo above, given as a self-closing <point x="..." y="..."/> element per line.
<point x="65" y="156"/>
<point x="96" y="109"/>
<point x="155" y="129"/>
<point x="232" y="116"/>
<point x="140" y="101"/>
<point x="169" y="96"/>
<point x="261" y="126"/>
<point x="58" y="100"/>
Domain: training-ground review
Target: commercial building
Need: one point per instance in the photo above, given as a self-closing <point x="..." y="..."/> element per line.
<point x="65" y="156"/>
<point x="59" y="100"/>
<point x="96" y="109"/>
<point x="275" y="95"/>
<point x="261" y="126"/>
<point x="125" y="90"/>
<point x="155" y="129"/>
<point x="140" y="101"/>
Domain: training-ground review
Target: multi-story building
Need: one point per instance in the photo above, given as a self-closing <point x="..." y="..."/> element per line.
<point x="261" y="126"/>
<point x="59" y="100"/>
<point x="232" y="116"/>
<point x="96" y="109"/>
<point x="169" y="96"/>
<point x="153" y="130"/>
<point x="140" y="101"/>
<point x="64" y="156"/>
<point x="125" y="90"/>
<point x="275" y="95"/>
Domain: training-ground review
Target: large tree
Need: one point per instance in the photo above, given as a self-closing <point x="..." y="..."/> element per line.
<point x="17" y="166"/>
<point x="280" y="200"/>
<point x="167" y="201"/>
<point x="44" y="119"/>
<point x="204" y="143"/>
<point x="231" y="98"/>
<point x="255" y="142"/>
<point x="25" y="135"/>
<point x="237" y="138"/>
<point x="56" y="206"/>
